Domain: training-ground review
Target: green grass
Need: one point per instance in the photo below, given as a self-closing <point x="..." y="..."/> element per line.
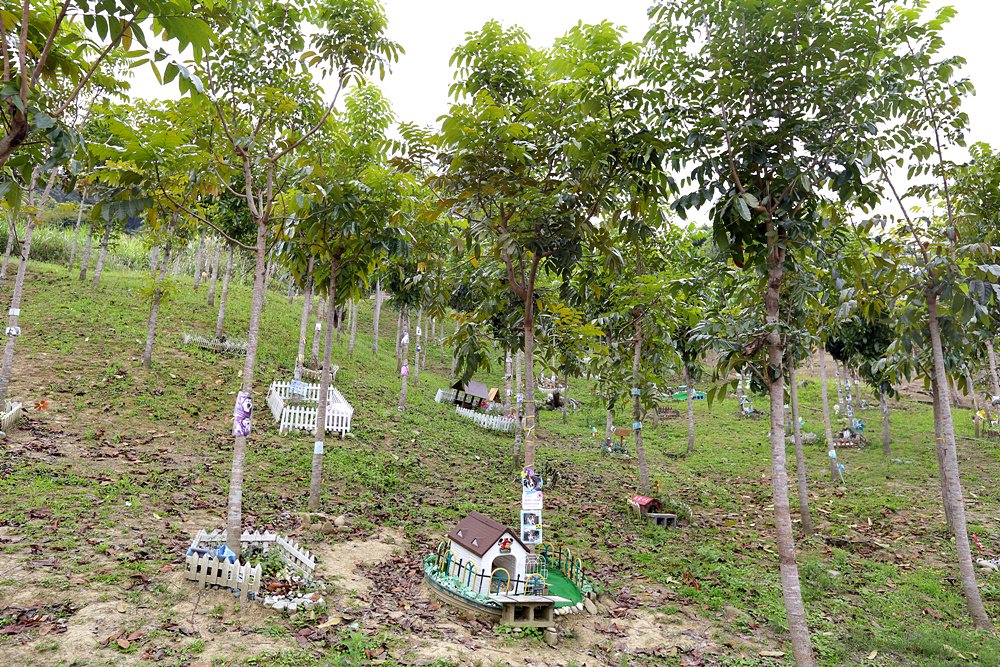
<point x="132" y="442"/>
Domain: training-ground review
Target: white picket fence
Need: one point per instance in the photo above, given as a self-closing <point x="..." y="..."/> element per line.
<point x="208" y="571"/>
<point x="444" y="396"/>
<point x="491" y="422"/>
<point x="294" y="554"/>
<point x="223" y="346"/>
<point x="300" y="412"/>
<point x="12" y="412"/>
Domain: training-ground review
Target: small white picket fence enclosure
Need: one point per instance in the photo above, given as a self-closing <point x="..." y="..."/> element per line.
<point x="444" y="396"/>
<point x="11" y="413"/>
<point x="295" y="412"/>
<point x="491" y="422"/>
<point x="318" y="375"/>
<point x="223" y="346"/>
<point x="207" y="571"/>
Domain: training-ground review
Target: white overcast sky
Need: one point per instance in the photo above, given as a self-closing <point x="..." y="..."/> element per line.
<point x="429" y="30"/>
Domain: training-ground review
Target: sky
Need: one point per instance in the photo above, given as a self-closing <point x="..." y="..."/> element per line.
<point x="430" y="30"/>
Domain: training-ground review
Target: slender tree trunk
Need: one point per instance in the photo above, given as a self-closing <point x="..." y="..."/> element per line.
<point x="268" y="274"/>
<point x="198" y="256"/>
<point x="507" y="368"/>
<point x="76" y="230"/>
<point x="791" y="588"/>
<point x="340" y="323"/>
<point x="307" y="299"/>
<point x="317" y="330"/>
<point x="376" y="314"/>
<point x="215" y="275"/>
<point x="955" y="496"/>
<point x="154" y="258"/>
<point x="84" y="263"/>
<point x="102" y="255"/>
<point x="224" y="297"/>
<point x="565" y="403"/>
<point x="234" y="514"/>
<point x="939" y="449"/>
<point x="454" y="357"/>
<point x="291" y="289"/>
<point x="319" y="435"/>
<point x="831" y="446"/>
<point x="416" y="356"/>
<point x="840" y="388"/>
<point x="518" y="408"/>
<point x="800" y="455"/>
<point x="884" y="405"/>
<point x="857" y="390"/>
<point x="399" y="341"/>
<point x="640" y="449"/>
<point x="354" y="330"/>
<point x="405" y="351"/>
<point x="690" y="402"/>
<point x="427" y="342"/>
<point x="7" y="250"/>
<point x="14" y="312"/>
<point x="147" y="354"/>
<point x="529" y="368"/>
<point x="991" y="355"/>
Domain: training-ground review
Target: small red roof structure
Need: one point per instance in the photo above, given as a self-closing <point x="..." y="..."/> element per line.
<point x="646" y="504"/>
<point x="477" y="533"/>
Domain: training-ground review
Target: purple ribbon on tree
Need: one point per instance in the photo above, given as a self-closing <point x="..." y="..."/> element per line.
<point x="242" y="414"/>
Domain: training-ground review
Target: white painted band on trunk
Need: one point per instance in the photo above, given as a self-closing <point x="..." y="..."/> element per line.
<point x="318" y="447"/>
<point x="14" y="311"/>
<point x="319" y="325"/>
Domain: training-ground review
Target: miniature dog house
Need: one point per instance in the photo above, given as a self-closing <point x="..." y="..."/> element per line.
<point x="652" y="510"/>
<point x="492" y="551"/>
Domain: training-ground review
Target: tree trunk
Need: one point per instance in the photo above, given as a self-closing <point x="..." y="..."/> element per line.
<point x="640" y="449"/>
<point x="307" y="299"/>
<point x="884" y="406"/>
<point x="857" y="390"/>
<point x="14" y="314"/>
<point x="840" y="388"/>
<point x="399" y="340"/>
<point x="154" y="258"/>
<point x="427" y="341"/>
<point x="84" y="263"/>
<point x="11" y="231"/>
<point x="939" y="449"/>
<point x="416" y="356"/>
<point x="241" y="428"/>
<point x="991" y="354"/>
<point x="340" y="322"/>
<point x="800" y="455"/>
<point x="319" y="434"/>
<point x="791" y="589"/>
<point x="198" y="256"/>
<point x="565" y="402"/>
<point x="317" y="330"/>
<point x="507" y="369"/>
<point x="154" y="311"/>
<point x="376" y="314"/>
<point x="215" y="275"/>
<point x="529" y="369"/>
<point x="404" y="346"/>
<point x="954" y="497"/>
<point x="454" y="357"/>
<point x="518" y="413"/>
<point x="224" y="297"/>
<point x="102" y="255"/>
<point x="76" y="231"/>
<point x="354" y="330"/>
<point x="690" y="402"/>
<point x="291" y="289"/>
<point x="831" y="446"/>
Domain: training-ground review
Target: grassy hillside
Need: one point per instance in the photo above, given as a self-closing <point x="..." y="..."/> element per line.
<point x="101" y="492"/>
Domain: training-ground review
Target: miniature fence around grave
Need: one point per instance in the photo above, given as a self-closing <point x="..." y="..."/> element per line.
<point x="299" y="412"/>
<point x="222" y="346"/>
<point x="444" y="396"/>
<point x="490" y="422"/>
<point x="207" y="570"/>
<point x="318" y="374"/>
<point x="12" y="412"/>
<point x="476" y="584"/>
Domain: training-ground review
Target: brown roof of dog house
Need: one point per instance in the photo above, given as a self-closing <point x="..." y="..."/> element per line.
<point x="478" y="533"/>
<point x="472" y="388"/>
